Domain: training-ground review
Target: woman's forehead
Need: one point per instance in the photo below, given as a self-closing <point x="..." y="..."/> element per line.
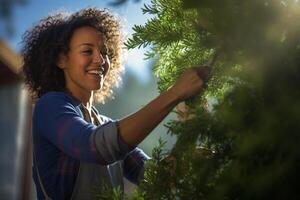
<point x="87" y="36"/>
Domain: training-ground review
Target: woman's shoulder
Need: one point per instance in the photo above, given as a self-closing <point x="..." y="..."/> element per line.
<point x="56" y="97"/>
<point x="54" y="100"/>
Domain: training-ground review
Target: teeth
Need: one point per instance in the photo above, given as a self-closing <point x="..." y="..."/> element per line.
<point x="98" y="72"/>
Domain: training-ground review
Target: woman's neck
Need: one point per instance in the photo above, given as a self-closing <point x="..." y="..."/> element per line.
<point x="85" y="98"/>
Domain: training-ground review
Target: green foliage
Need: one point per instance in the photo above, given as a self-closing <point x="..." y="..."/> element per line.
<point x="240" y="138"/>
<point x="108" y="193"/>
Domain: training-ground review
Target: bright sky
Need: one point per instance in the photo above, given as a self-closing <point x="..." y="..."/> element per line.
<point x="25" y="16"/>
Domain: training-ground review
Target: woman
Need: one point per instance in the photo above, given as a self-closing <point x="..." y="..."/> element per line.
<point x="70" y="61"/>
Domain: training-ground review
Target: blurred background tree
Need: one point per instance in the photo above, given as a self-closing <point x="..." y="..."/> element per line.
<point x="6" y="15"/>
<point x="239" y="139"/>
<point x="121" y="2"/>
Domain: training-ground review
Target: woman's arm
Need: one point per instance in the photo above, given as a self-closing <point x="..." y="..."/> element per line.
<point x="136" y="127"/>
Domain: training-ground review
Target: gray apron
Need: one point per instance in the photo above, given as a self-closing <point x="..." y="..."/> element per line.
<point x="91" y="176"/>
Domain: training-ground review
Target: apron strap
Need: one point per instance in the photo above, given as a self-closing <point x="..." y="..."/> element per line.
<point x="40" y="180"/>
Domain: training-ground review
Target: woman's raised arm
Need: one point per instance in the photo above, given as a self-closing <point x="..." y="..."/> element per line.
<point x="135" y="127"/>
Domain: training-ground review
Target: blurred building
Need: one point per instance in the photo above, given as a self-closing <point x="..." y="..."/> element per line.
<point x="15" y="133"/>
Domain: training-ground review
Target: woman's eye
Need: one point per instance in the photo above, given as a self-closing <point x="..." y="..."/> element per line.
<point x="87" y="52"/>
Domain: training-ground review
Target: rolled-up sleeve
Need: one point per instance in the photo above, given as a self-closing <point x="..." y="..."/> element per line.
<point x="107" y="140"/>
<point x="134" y="165"/>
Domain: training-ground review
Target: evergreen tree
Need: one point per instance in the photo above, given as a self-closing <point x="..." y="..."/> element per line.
<point x="239" y="139"/>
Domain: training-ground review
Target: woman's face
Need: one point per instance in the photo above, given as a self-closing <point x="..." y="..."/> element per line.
<point x="86" y="64"/>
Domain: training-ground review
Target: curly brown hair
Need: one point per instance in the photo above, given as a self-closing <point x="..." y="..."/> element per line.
<point x="51" y="36"/>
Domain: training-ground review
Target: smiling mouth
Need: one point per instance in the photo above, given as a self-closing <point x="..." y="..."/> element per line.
<point x="99" y="72"/>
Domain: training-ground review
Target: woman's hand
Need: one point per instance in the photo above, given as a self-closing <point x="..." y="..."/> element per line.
<point x="190" y="83"/>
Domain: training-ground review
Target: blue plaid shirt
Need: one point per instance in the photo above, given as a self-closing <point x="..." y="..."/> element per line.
<point x="62" y="138"/>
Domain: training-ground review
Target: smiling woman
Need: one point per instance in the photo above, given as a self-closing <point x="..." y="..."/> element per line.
<point x="50" y="40"/>
<point x="86" y="64"/>
<point x="70" y="60"/>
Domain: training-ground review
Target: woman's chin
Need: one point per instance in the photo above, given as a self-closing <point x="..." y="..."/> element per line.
<point x="96" y="88"/>
<point x="98" y="85"/>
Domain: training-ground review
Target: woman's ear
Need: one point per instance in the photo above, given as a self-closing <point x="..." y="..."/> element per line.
<point x="61" y="62"/>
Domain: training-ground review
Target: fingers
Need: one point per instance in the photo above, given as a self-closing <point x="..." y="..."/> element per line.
<point x="203" y="72"/>
<point x="192" y="82"/>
